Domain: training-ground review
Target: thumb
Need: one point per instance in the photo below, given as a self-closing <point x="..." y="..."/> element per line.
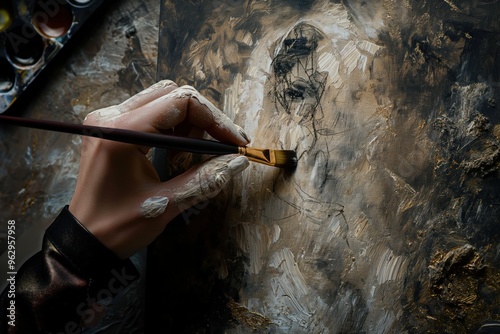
<point x="207" y="180"/>
<point x="196" y="185"/>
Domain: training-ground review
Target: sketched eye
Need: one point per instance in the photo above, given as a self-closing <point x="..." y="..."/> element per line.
<point x="294" y="48"/>
<point x="301" y="46"/>
<point x="295" y="94"/>
<point x="283" y="64"/>
<point x="300" y="89"/>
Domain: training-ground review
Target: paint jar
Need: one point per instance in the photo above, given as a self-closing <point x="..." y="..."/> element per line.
<point x="52" y="19"/>
<point x="32" y="32"/>
<point x="5" y="16"/>
<point x="7" y="76"/>
<point x="80" y="3"/>
<point x="24" y="46"/>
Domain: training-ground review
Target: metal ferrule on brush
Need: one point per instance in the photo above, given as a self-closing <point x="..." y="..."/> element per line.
<point x="264" y="156"/>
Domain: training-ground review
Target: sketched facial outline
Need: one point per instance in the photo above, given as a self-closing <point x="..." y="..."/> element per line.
<point x="298" y="85"/>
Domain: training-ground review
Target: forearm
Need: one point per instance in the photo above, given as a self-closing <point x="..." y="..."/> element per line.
<point x="56" y="288"/>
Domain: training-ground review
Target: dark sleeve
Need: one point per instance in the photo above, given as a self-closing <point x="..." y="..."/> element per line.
<point x="56" y="286"/>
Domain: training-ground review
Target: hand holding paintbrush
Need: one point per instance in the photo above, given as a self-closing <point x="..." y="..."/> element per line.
<point x="118" y="188"/>
<point x="277" y="158"/>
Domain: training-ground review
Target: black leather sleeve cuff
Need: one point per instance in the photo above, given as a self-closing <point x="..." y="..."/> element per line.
<point x="94" y="261"/>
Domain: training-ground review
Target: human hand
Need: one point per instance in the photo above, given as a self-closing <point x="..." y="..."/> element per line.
<point x="119" y="197"/>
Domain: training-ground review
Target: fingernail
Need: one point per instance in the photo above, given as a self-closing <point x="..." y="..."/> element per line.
<point x="165" y="83"/>
<point x="244" y="134"/>
<point x="238" y="164"/>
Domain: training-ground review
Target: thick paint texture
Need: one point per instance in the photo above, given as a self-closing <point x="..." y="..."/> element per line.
<point x="391" y="110"/>
<point x="390" y="225"/>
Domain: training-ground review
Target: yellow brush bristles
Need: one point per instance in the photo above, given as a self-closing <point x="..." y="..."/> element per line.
<point x="277" y="158"/>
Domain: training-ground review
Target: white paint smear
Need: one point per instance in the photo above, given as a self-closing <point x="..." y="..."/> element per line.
<point x="154" y="206"/>
<point x="255" y="240"/>
<point x="391" y="267"/>
<point x="222" y="120"/>
<point x="369" y="47"/>
<point x="350" y="55"/>
<point x="291" y="285"/>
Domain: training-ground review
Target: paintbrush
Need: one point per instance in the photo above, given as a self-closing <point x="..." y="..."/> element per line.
<point x="277" y="158"/>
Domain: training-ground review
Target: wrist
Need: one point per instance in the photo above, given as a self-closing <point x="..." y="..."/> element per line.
<point x="81" y="248"/>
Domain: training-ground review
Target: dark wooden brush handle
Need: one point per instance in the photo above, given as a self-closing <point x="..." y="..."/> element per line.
<point x="192" y="145"/>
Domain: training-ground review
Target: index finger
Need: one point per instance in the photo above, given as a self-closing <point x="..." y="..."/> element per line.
<point x="149" y="94"/>
<point x="187" y="104"/>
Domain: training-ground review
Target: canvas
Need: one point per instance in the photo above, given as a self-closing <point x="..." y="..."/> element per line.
<point x="389" y="223"/>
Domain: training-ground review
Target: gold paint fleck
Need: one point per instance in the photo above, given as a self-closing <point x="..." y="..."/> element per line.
<point x="452" y="5"/>
<point x="246" y="317"/>
<point x="496" y="131"/>
<point x="457" y="278"/>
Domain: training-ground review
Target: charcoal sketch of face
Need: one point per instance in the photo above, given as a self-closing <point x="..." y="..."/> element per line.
<point x="306" y="82"/>
<point x="345" y="242"/>
<point x="306" y="87"/>
<point x="298" y="83"/>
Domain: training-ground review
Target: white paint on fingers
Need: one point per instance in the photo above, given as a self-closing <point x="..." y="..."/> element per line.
<point x="210" y="179"/>
<point x="154" y="206"/>
<point x="220" y="119"/>
<point x="104" y="114"/>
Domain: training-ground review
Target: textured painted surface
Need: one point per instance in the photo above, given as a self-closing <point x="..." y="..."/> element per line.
<point x="390" y="222"/>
